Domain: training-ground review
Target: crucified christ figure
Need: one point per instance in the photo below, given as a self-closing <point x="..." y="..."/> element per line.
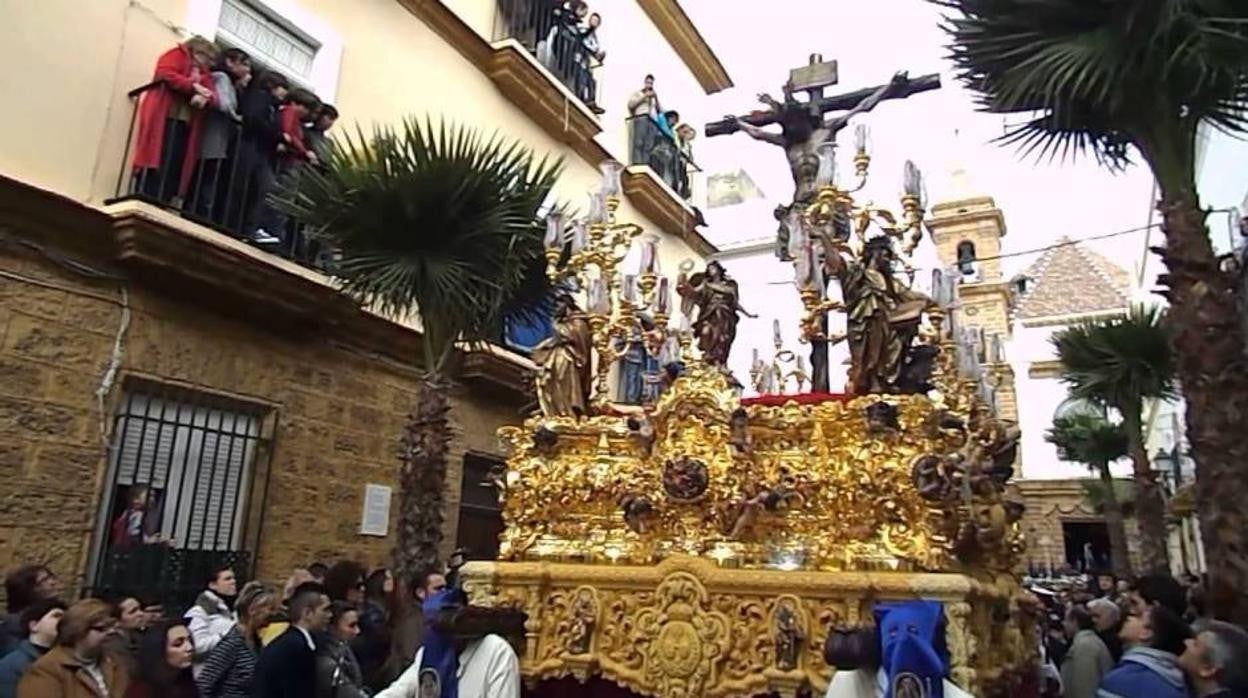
<point x="802" y="130"/>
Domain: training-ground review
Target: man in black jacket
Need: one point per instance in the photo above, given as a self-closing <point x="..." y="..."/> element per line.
<point x="287" y="666"/>
<point x="255" y="173"/>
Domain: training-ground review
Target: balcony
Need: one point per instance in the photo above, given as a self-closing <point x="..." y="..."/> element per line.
<point x="561" y="42"/>
<point x="184" y="223"/>
<point x="650" y="145"/>
<point x="217" y="180"/>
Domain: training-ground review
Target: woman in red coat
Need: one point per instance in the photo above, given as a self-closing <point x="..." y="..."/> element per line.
<point x="171" y="114"/>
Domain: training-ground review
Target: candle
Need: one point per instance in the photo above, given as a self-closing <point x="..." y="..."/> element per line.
<point x="862" y="136"/>
<point x="826" y="174"/>
<point x="630" y="288"/>
<point x="597" y="209"/>
<point x="598" y="301"/>
<point x="663" y="297"/>
<point x="610" y="178"/>
<point x="580" y="237"/>
<point x="757" y="359"/>
<point x="555" y="224"/>
<point x="685" y="327"/>
<point x="775" y="332"/>
<point x="801" y="364"/>
<point x="911" y="180"/>
<point x="798" y="235"/>
<point x="994" y="349"/>
<point x="649" y="254"/>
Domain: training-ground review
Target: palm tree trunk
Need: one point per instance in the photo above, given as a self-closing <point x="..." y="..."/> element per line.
<point x="1209" y="345"/>
<point x="425" y="451"/>
<point x="1150" y="505"/>
<point x="1114" y="522"/>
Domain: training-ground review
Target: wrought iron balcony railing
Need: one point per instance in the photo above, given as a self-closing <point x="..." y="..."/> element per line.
<point x="219" y="180"/>
<point x="559" y="40"/>
<point x="649" y="144"/>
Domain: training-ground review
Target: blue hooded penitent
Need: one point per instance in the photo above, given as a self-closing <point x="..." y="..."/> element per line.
<point x="439" y="662"/>
<point x="912" y="644"/>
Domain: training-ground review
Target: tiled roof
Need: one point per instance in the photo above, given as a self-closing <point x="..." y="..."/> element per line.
<point x="1071" y="279"/>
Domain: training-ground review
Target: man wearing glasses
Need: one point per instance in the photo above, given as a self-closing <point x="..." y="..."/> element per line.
<point x="78" y="666"/>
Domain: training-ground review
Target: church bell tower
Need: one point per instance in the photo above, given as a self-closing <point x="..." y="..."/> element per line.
<point x="967" y="232"/>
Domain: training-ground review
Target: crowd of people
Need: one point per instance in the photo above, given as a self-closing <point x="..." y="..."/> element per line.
<point x="1147" y="638"/>
<point x="568" y="45"/>
<point x="658" y="138"/>
<point x="213" y="138"/>
<point x="331" y="632"/>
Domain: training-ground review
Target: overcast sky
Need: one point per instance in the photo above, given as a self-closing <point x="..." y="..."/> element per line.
<point x="758" y="44"/>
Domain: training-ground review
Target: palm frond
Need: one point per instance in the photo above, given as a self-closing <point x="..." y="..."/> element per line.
<point x="1121" y="361"/>
<point x="1088" y="438"/>
<point x="434" y="219"/>
<point x="1099" y="75"/>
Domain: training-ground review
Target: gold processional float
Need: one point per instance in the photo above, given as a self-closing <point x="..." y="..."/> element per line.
<point x="706" y="545"/>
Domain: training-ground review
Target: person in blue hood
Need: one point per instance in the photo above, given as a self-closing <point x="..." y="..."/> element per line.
<point x="458" y="661"/>
<point x="1154" y="637"/>
<point x="913" y="658"/>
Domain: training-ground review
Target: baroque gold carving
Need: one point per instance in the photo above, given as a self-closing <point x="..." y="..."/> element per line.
<point x="687" y="626"/>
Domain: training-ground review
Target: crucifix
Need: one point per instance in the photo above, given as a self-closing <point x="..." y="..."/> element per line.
<point x="803" y="131"/>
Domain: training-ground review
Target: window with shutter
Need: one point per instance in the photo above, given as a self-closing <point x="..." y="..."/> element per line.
<point x="270" y="41"/>
<point x="190" y="463"/>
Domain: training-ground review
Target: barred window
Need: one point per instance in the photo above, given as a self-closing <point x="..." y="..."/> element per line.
<point x="190" y="463"/>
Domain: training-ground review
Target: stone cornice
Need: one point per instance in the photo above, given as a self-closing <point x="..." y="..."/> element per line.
<point x="656" y="201"/>
<point x="174" y="258"/>
<point x="675" y="26"/>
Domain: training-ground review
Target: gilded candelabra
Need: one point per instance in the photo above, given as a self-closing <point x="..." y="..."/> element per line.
<point x="586" y="254"/>
<point x="833" y="223"/>
<point x="774" y="377"/>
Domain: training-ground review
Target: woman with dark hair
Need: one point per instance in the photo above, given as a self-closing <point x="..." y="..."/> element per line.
<point x="165" y="654"/>
<point x="345" y="582"/>
<point x="383" y="606"/>
<point x="338" y="673"/>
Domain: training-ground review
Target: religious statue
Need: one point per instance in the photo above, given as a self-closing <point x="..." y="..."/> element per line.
<point x="718" y="303"/>
<point x="638" y="373"/>
<point x="803" y="129"/>
<point x="788" y="637"/>
<point x="563" y="377"/>
<point x="882" y="315"/>
<point x="584" y="618"/>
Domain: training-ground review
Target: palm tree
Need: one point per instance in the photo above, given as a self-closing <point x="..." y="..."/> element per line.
<point x="441" y="222"/>
<point x="1106" y="77"/>
<point x="1120" y="363"/>
<point x="1095" y="441"/>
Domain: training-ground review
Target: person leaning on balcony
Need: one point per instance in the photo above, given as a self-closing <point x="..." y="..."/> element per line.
<point x="211" y="617"/>
<point x="590" y="47"/>
<point x="255" y="174"/>
<point x="78" y="667"/>
<point x="170" y="118"/>
<point x="221" y="124"/>
<point x="292" y="153"/>
<point x="644" y="104"/>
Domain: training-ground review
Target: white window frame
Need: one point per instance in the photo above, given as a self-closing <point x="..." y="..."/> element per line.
<point x="203" y="18"/>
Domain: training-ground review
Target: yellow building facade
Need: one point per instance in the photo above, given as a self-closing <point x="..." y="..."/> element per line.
<point x="131" y="337"/>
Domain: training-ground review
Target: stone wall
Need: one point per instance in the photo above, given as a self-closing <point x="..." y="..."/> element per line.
<point x="336" y="409"/>
<point x="1050" y="503"/>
